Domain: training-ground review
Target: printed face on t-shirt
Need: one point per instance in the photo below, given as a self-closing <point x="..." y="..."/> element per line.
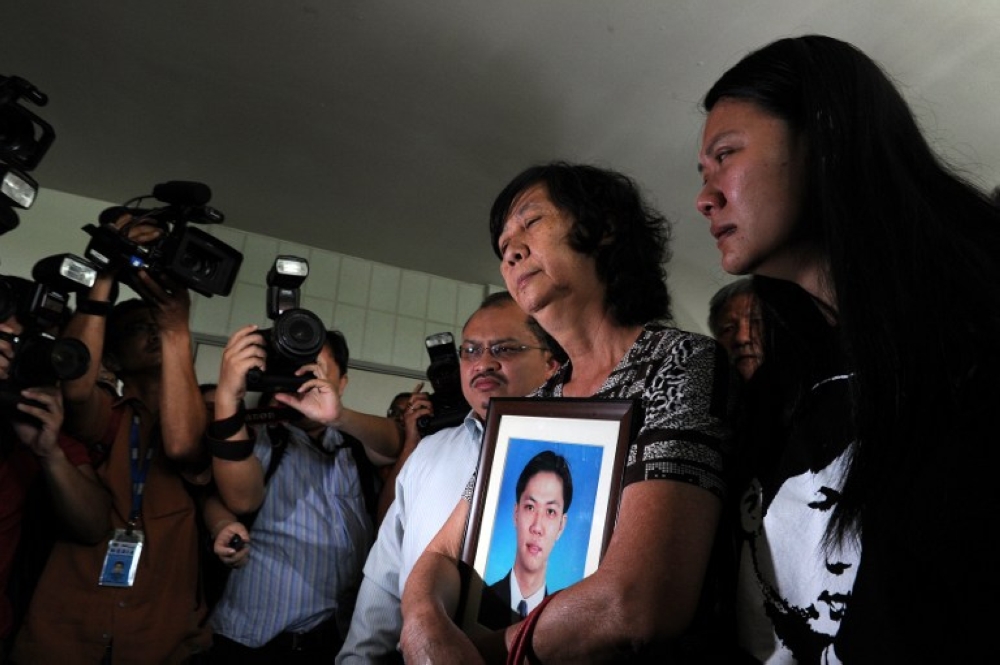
<point x="805" y="580"/>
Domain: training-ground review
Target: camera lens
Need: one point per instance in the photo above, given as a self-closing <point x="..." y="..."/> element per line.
<point x="200" y="265"/>
<point x="41" y="360"/>
<point x="70" y="358"/>
<point x="298" y="335"/>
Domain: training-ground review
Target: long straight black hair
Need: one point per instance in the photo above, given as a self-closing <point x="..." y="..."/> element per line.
<point x="912" y="251"/>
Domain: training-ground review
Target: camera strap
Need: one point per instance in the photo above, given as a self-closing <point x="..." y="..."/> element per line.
<point x="278" y="435"/>
<point x="367" y="475"/>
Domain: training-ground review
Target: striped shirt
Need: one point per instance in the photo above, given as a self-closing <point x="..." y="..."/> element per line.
<point x="307" y="546"/>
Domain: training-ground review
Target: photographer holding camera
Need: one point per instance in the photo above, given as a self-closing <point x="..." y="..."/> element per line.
<point x="313" y="529"/>
<point x="312" y="525"/>
<point x="31" y="445"/>
<point x="145" y="445"/>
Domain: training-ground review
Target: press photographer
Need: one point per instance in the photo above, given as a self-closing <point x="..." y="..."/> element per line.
<point x="137" y="590"/>
<point x="310" y="488"/>
<point x="24" y="140"/>
<point x="31" y="361"/>
<point x="69" y="502"/>
<point x="74" y="504"/>
<point x="160" y="241"/>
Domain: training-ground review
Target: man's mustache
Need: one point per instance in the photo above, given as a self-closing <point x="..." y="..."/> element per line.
<point x="488" y="375"/>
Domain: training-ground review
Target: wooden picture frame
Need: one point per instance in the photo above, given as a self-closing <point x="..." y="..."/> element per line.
<point x="592" y="437"/>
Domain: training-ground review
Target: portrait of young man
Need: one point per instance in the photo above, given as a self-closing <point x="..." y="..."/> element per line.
<point x="543" y="496"/>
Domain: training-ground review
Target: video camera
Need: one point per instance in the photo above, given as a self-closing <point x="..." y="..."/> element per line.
<point x="297" y="336"/>
<point x="186" y="254"/>
<point x="450" y="407"/>
<point x="24" y="140"/>
<point x="40" y="359"/>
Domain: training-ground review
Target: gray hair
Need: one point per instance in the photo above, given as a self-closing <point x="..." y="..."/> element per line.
<point x="724" y="295"/>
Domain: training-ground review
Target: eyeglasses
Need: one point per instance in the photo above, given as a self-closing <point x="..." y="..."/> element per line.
<point x="500" y="351"/>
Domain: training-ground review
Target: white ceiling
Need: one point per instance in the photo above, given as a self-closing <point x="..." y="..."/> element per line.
<point x="383" y="129"/>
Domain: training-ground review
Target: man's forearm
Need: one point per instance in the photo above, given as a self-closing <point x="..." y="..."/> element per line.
<point x="379" y="434"/>
<point x="432" y="589"/>
<point x="78" y="498"/>
<point x="434" y="581"/>
<point x="216" y="515"/>
<point x="183" y="414"/>
<point x="240" y="483"/>
<point x="79" y="393"/>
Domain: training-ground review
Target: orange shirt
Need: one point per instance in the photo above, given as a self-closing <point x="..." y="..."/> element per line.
<point x="159" y="619"/>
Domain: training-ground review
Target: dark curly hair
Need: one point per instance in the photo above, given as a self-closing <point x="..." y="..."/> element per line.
<point x="613" y="223"/>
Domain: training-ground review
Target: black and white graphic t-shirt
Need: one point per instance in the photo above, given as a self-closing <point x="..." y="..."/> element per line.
<point x="794" y="589"/>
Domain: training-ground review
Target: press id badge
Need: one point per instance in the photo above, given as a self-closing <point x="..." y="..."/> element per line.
<point x="122" y="559"/>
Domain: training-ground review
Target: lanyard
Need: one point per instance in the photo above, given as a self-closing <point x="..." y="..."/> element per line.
<point x="139" y="468"/>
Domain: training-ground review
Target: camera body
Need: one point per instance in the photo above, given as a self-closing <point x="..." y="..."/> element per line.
<point x="42" y="360"/>
<point x="444" y="374"/>
<point x="295" y="340"/>
<point x="24" y="140"/>
<point x="297" y="335"/>
<point x="39" y="358"/>
<point x="185" y="254"/>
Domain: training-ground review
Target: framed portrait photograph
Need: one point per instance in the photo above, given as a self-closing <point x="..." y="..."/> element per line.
<point x="544" y="504"/>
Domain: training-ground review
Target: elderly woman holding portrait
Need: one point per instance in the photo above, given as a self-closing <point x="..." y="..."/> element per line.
<point x="583" y="253"/>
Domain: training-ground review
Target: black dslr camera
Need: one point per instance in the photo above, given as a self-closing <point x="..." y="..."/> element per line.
<point x="186" y="254"/>
<point x="450" y="407"/>
<point x="24" y="140"/>
<point x="297" y="336"/>
<point x="40" y="359"/>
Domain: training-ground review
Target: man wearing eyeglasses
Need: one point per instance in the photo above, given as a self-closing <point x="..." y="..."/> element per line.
<point x="503" y="353"/>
